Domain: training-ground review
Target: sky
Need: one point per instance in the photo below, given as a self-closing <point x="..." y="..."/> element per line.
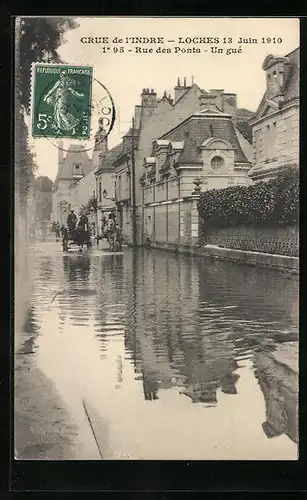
<point x="125" y="75"/>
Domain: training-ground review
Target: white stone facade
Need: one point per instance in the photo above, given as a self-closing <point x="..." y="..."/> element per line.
<point x="276" y="122"/>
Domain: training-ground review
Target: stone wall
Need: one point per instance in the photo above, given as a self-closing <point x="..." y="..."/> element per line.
<point x="279" y="241"/>
<point x="172" y="222"/>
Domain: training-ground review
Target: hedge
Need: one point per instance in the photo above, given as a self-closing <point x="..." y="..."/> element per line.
<point x="267" y="204"/>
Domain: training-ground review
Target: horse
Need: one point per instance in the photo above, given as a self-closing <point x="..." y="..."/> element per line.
<point x="114" y="237"/>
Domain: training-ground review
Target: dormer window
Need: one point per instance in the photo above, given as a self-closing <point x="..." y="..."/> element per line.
<point x="77" y="170"/>
<point x="217" y="162"/>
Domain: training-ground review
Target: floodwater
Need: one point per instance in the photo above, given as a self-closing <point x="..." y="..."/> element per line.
<point x="167" y="356"/>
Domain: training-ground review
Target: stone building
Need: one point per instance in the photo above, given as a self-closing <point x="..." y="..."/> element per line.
<point x="275" y="125"/>
<point x="84" y="189"/>
<point x="155" y="117"/>
<point x="108" y="174"/>
<point x="76" y="181"/>
<point x="105" y="183"/>
<point x="72" y="167"/>
<point x="205" y="146"/>
<point x="123" y="167"/>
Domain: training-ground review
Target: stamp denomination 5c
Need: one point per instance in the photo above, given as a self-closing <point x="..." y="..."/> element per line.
<point x="61" y="101"/>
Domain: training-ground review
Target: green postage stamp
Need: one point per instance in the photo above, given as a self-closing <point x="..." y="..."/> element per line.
<point x="61" y="101"/>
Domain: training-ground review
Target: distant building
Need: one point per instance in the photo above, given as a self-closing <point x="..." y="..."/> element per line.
<point x="155" y="117"/>
<point x="122" y="166"/>
<point x="82" y="190"/>
<point x="109" y="174"/>
<point x="72" y="167"/>
<point x="75" y="182"/>
<point x="105" y="183"/>
<point x="275" y="124"/>
<point x="205" y="145"/>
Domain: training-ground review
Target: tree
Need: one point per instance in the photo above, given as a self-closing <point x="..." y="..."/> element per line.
<point x="37" y="40"/>
<point x="44" y="184"/>
<point x="40" y="39"/>
<point x="92" y="204"/>
<point x="64" y="206"/>
<point x="43" y="197"/>
<point x="25" y="173"/>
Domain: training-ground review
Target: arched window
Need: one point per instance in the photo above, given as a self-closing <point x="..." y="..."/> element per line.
<point x="217" y="162"/>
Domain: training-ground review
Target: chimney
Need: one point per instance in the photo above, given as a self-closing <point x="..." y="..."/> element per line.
<point x="149" y="98"/>
<point x="137" y="116"/>
<point x="219" y="94"/>
<point x="184" y="82"/>
<point x="276" y="69"/>
<point x="180" y="89"/>
<point x="207" y="101"/>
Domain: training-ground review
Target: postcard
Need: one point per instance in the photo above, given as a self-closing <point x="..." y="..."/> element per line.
<point x="156" y="238"/>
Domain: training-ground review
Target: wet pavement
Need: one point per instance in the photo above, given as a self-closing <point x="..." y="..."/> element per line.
<point x="164" y="356"/>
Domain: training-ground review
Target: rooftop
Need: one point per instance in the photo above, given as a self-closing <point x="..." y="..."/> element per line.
<point x="196" y="129"/>
<point x="292" y="88"/>
<point x="110" y="157"/>
<point x="75" y="155"/>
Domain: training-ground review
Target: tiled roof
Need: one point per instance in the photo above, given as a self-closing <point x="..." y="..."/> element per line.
<point x="196" y="130"/>
<point x="110" y="158"/>
<point x="245" y="129"/>
<point x="129" y="133"/>
<point x="292" y="89"/>
<point x="75" y="155"/>
<point x="243" y="114"/>
<point x="194" y="86"/>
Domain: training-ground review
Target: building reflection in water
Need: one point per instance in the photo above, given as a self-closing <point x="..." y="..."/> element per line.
<point x="76" y="297"/>
<point x="279" y="386"/>
<point x="109" y="308"/>
<point x="170" y="343"/>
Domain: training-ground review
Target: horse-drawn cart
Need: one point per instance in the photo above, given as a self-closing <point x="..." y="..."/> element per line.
<point x="75" y="238"/>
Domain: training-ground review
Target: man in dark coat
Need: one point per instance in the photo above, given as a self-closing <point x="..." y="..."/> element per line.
<point x="83" y="230"/>
<point x="71" y="221"/>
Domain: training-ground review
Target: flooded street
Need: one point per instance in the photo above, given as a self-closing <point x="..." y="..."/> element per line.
<point x="165" y="356"/>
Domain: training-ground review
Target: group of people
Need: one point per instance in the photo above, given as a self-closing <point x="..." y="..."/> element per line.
<point x="79" y="230"/>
